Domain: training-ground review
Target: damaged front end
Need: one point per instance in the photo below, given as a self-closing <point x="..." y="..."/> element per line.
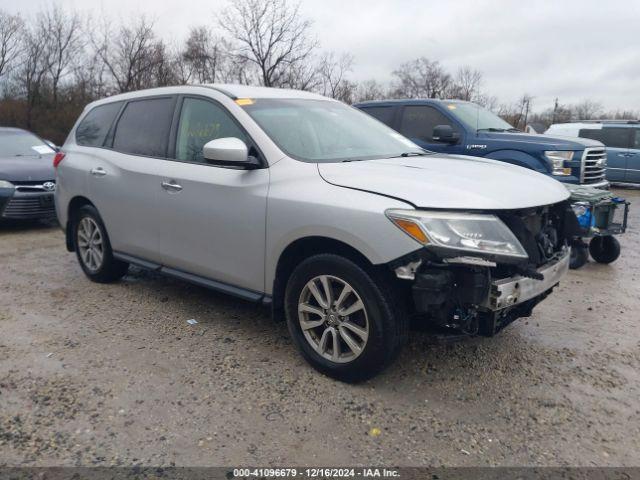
<point x="481" y="292"/>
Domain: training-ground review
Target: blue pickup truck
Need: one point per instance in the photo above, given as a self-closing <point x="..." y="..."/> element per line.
<point x="464" y="128"/>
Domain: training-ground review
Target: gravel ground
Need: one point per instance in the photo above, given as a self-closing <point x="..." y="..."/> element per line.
<point x="113" y="375"/>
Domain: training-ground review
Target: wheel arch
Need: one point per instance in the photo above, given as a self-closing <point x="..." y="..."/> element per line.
<point x="305" y="247"/>
<point x="74" y="205"/>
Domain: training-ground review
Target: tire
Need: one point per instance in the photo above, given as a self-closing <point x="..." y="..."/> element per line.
<point x="359" y="356"/>
<point x="102" y="268"/>
<point x="604" y="249"/>
<point x="579" y="255"/>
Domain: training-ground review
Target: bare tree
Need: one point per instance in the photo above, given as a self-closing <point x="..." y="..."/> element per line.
<point x="303" y="76"/>
<point x="333" y="72"/>
<point x="587" y="110"/>
<point x="64" y="34"/>
<point x="11" y="28"/>
<point x="489" y="102"/>
<point x="466" y="84"/>
<point x="89" y="78"/>
<point x="517" y="114"/>
<point x="421" y="78"/>
<point x="35" y="65"/>
<point x="370" y="90"/>
<point x="130" y="55"/>
<point x="205" y="55"/>
<point x="270" y="35"/>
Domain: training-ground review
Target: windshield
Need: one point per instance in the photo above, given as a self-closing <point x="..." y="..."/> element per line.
<point x="16" y="143"/>
<point x="478" y="118"/>
<point x="327" y="131"/>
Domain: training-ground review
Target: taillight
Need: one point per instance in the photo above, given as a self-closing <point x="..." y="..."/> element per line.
<point x="57" y="159"/>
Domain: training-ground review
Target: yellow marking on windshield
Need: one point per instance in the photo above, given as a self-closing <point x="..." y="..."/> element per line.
<point x="245" y="101"/>
<point x="451" y="107"/>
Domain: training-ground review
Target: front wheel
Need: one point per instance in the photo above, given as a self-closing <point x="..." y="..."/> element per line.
<point x="604" y="249"/>
<point x="346" y="322"/>
<point x="93" y="248"/>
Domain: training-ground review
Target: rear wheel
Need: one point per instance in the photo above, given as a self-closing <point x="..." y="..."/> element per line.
<point x="604" y="249"/>
<point x="346" y="321"/>
<point x="93" y="248"/>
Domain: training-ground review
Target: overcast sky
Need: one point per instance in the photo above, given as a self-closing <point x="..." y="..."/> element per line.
<point x="571" y="49"/>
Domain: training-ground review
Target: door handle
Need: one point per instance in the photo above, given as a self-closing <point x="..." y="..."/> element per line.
<point x="98" y="172"/>
<point x="171" y="186"/>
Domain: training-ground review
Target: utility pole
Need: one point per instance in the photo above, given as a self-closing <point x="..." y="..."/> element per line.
<point x="526" y="112"/>
<point x="555" y="110"/>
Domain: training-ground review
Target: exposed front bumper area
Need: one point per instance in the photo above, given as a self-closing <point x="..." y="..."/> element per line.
<point x="479" y="298"/>
<point x="512" y="291"/>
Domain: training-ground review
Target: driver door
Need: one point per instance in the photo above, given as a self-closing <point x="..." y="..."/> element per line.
<point x="215" y="216"/>
<point x="417" y="123"/>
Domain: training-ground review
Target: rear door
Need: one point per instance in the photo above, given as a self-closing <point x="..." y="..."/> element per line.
<point x="384" y="113"/>
<point x="124" y="181"/>
<point x="417" y="122"/>
<point x="213" y="216"/>
<point x="616" y="139"/>
<point x="633" y="159"/>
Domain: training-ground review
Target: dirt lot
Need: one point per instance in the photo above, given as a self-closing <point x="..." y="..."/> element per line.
<point x="113" y="374"/>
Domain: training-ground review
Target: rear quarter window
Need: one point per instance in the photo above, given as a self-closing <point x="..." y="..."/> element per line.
<point x="384" y="114"/>
<point x="611" y="137"/>
<point x="143" y="127"/>
<point x="95" y="125"/>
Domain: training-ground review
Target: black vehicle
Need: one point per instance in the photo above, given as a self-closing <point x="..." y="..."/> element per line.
<point x="27" y="176"/>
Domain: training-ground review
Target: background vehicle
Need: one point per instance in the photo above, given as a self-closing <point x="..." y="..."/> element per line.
<point x="622" y="139"/>
<point x="310" y="206"/>
<point x="464" y="128"/>
<point x="26" y="176"/>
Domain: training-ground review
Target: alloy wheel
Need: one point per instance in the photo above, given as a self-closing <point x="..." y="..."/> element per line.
<point x="90" y="244"/>
<point x="333" y="318"/>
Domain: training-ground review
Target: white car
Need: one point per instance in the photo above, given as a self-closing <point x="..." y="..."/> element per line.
<point x="300" y="202"/>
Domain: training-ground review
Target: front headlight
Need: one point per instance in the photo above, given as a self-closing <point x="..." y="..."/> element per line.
<point x="5" y="184"/>
<point x="462" y="232"/>
<point x="557" y="159"/>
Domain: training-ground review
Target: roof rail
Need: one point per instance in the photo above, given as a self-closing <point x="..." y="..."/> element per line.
<point x="604" y="120"/>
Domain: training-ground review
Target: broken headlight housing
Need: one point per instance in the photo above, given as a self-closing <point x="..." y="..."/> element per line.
<point x="462" y="233"/>
<point x="557" y="159"/>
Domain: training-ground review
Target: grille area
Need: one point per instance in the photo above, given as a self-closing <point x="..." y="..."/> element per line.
<point x="36" y="206"/>
<point x="593" y="165"/>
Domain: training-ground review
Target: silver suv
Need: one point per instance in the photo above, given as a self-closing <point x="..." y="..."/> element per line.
<point x="313" y="208"/>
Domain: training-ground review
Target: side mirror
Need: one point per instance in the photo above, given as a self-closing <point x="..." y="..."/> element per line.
<point x="445" y="134"/>
<point x="229" y="151"/>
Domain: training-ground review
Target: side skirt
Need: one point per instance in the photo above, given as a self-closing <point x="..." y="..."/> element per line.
<point x="222" y="287"/>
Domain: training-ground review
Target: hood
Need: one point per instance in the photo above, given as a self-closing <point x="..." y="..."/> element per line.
<point x="26" y="169"/>
<point x="448" y="182"/>
<point x="542" y="142"/>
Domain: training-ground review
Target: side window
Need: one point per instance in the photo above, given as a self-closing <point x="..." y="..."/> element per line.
<point x="384" y="114"/>
<point x="200" y="122"/>
<point x="418" y="121"/>
<point x="143" y="128"/>
<point x="636" y="139"/>
<point x="611" y="137"/>
<point x="94" y="126"/>
<point x="592" y="133"/>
